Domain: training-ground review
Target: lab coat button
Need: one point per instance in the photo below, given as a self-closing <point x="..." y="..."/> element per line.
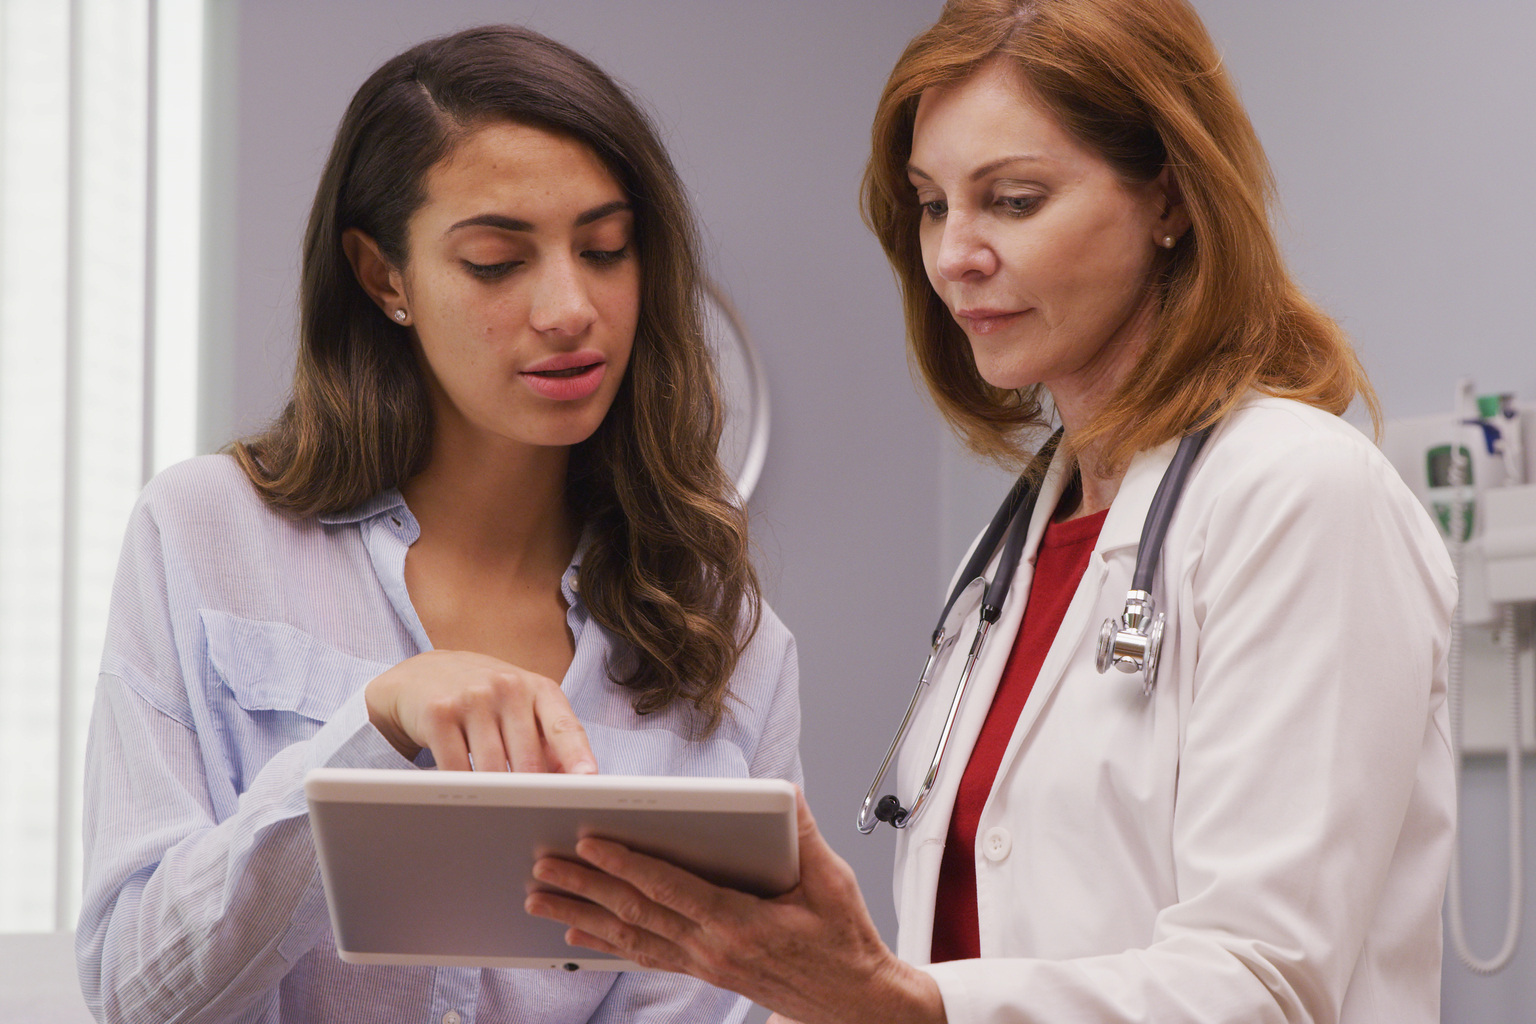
<point x="996" y="843"/>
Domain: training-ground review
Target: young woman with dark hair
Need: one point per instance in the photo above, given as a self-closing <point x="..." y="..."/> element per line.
<point x="489" y="530"/>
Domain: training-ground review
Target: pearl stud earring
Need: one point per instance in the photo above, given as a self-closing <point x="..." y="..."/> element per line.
<point x="1168" y="241"/>
<point x="400" y="315"/>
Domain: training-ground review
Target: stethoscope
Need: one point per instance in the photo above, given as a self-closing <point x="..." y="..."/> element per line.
<point x="1132" y="643"/>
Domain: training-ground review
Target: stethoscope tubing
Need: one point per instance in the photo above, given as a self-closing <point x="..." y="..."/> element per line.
<point x="1013" y="517"/>
<point x="1164" y="501"/>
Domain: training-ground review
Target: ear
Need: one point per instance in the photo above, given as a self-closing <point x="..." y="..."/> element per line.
<point x="384" y="284"/>
<point x="1173" y="222"/>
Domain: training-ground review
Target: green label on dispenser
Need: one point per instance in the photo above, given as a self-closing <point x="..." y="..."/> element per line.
<point x="1438" y="466"/>
<point x="1438" y="469"/>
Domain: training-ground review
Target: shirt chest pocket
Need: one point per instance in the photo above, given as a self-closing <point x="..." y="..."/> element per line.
<point x="273" y="685"/>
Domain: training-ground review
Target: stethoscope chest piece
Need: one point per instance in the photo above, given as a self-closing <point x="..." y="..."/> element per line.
<point x="1134" y="643"/>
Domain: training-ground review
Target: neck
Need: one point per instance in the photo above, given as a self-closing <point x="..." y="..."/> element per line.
<point x="1095" y="492"/>
<point x="1081" y="397"/>
<point x="495" y="504"/>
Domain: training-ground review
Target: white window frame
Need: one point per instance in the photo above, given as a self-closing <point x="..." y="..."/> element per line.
<point x="101" y="284"/>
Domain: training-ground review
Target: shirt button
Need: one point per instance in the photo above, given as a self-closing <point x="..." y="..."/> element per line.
<point x="575" y="584"/>
<point x="452" y="1017"/>
<point x="996" y="844"/>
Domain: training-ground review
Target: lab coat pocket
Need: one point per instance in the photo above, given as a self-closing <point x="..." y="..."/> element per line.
<point x="280" y="685"/>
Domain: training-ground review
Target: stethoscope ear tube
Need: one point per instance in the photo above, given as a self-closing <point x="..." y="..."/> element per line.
<point x="889" y="809"/>
<point x="1012" y="518"/>
<point x="1021" y="495"/>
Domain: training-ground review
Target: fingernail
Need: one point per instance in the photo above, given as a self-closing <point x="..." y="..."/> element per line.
<point x="584" y="768"/>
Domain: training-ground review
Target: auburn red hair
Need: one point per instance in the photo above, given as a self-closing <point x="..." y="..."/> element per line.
<point x="1140" y="83"/>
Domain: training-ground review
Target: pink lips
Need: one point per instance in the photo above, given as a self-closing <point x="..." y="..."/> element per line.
<point x="567" y="376"/>
<point x="985" y="321"/>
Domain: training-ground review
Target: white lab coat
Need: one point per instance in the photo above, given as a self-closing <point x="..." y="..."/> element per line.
<point x="1266" y="837"/>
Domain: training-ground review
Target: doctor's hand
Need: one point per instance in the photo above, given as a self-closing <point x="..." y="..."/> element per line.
<point x="812" y="954"/>
<point x="467" y="706"/>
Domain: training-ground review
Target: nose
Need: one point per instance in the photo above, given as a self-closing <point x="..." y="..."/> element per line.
<point x="965" y="252"/>
<point x="561" y="302"/>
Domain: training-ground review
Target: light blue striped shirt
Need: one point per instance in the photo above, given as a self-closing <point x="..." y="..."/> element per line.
<point x="238" y="646"/>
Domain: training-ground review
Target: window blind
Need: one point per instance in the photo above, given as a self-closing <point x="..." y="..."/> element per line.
<point x="101" y="170"/>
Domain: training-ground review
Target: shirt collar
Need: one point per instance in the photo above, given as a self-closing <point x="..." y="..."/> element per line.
<point x="391" y="501"/>
<point x="380" y="503"/>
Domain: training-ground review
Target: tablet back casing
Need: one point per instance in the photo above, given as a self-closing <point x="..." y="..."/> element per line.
<point x="432" y="867"/>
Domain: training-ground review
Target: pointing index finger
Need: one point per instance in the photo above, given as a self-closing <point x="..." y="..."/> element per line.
<point x="563" y="735"/>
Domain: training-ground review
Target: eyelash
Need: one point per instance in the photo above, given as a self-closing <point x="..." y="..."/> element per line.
<point x="496" y="271"/>
<point x="1013" y="206"/>
<point x="606" y="257"/>
<point x="1018" y="206"/>
<point x="491" y="271"/>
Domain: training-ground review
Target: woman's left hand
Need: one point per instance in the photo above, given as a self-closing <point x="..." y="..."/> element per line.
<point x="812" y="954"/>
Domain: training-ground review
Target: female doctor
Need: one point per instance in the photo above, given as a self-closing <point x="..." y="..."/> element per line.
<point x="1252" y="824"/>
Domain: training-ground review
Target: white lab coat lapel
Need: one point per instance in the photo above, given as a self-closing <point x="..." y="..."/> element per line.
<point x="923" y="843"/>
<point x="1118" y="540"/>
<point x="924" y="840"/>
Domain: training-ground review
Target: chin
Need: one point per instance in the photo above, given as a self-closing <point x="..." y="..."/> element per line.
<point x="565" y="435"/>
<point x="1006" y="378"/>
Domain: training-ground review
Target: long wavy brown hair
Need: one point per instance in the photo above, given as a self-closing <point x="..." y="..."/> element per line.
<point x="1140" y="83"/>
<point x="667" y="568"/>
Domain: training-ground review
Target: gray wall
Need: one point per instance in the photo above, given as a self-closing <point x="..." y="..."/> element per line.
<point x="1399" y="133"/>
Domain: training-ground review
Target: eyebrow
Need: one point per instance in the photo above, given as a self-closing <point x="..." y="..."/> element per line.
<point x="913" y="171"/>
<point x="496" y="220"/>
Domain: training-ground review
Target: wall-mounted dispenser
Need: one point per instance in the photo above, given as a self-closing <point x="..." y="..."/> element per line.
<point x="1471" y="469"/>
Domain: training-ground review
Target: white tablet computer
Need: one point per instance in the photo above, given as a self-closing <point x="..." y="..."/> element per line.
<point x="432" y="867"/>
